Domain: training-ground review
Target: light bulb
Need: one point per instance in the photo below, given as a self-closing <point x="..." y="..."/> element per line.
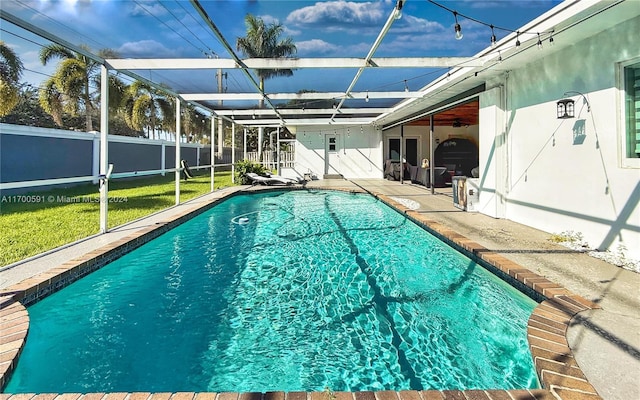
<point x="458" y="32"/>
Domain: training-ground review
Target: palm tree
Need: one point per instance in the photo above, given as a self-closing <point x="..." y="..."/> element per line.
<point x="147" y="108"/>
<point x="263" y="41"/>
<point x="10" y="72"/>
<point x="70" y="88"/>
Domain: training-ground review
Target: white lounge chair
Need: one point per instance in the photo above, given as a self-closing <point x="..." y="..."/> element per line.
<point x="268" y="180"/>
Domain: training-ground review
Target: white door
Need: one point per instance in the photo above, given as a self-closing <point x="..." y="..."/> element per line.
<point x="332" y="155"/>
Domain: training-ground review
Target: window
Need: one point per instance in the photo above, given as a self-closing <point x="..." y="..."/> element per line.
<point x="632" y="110"/>
<point x="332" y="144"/>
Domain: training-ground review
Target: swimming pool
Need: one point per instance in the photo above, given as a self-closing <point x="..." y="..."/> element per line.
<point x="287" y="291"/>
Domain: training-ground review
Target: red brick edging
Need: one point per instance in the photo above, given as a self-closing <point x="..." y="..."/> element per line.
<point x="558" y="371"/>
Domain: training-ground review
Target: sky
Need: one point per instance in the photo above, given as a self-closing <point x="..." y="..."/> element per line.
<point x="172" y="28"/>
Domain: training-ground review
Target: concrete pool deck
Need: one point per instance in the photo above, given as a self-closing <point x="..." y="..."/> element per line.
<point x="604" y="340"/>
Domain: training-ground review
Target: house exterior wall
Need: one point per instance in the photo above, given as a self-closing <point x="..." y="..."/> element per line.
<point x="565" y="174"/>
<point x="358" y="153"/>
<point x="491" y="153"/>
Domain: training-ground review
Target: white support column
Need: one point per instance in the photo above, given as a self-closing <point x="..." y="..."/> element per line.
<point x="260" y="138"/>
<point x="271" y="149"/>
<point x="401" y="154"/>
<point x="233" y="152"/>
<point x="220" y="137"/>
<point x="213" y="152"/>
<point x="198" y="155"/>
<point x="104" y="148"/>
<point x="278" y="171"/>
<point x="178" y="134"/>
<point x="432" y="174"/>
<point x="244" y="138"/>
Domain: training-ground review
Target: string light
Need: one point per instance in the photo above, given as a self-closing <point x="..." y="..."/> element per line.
<point x="457" y="27"/>
<point x="406" y="87"/>
<point x="367" y="97"/>
<point x="493" y="37"/>
<point x="539" y="42"/>
<point x="398" y="12"/>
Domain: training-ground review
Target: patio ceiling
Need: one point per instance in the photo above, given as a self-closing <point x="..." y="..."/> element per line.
<point x="452" y="96"/>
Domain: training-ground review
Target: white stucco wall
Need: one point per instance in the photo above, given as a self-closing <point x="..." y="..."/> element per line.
<point x="358" y="153"/>
<point x="559" y="181"/>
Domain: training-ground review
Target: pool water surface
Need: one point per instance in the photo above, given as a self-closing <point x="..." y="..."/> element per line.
<point x="288" y="291"/>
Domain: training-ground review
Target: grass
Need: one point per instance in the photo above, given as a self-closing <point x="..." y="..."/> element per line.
<point x="60" y="216"/>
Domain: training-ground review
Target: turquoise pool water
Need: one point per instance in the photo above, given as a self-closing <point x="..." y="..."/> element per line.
<point x="293" y="291"/>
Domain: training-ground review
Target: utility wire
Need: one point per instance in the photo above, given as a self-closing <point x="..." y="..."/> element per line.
<point x="78" y="34"/>
<point x="168" y="26"/>
<point x="185" y="27"/>
<point x="204" y="28"/>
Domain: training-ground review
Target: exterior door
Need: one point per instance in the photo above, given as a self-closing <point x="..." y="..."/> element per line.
<point x="410" y="150"/>
<point x="331" y="159"/>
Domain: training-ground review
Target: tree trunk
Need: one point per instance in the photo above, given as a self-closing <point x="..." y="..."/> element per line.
<point x="88" y="107"/>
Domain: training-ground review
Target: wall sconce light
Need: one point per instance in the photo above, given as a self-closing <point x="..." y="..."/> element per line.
<point x="565" y="108"/>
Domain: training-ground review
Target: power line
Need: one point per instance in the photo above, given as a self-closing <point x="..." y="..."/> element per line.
<point x="199" y="22"/>
<point x="168" y="26"/>
<point x="23" y="38"/>
<point x="100" y="45"/>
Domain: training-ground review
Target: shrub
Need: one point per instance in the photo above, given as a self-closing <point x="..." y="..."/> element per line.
<point x="243" y="167"/>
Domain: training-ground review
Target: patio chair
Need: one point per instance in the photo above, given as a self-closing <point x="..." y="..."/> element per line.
<point x="292" y="180"/>
<point x="268" y="180"/>
<point x="186" y="172"/>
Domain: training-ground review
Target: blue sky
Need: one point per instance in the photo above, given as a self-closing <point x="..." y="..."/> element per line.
<point x="170" y="28"/>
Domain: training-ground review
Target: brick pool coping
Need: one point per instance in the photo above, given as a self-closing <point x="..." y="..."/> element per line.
<point x="558" y="371"/>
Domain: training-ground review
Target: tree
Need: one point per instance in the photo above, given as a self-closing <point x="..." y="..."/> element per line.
<point x="28" y="110"/>
<point x="69" y="90"/>
<point x="263" y="41"/>
<point x="10" y="72"/>
<point x="147" y="108"/>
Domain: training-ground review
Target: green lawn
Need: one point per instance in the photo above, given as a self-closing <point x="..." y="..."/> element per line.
<point x="62" y="216"/>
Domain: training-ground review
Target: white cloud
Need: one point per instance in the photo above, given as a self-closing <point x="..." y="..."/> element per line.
<point x="144" y="9"/>
<point x="338" y="15"/>
<point x="269" y="19"/>
<point x="411" y="24"/>
<point x="315" y="46"/>
<point x="146" y="48"/>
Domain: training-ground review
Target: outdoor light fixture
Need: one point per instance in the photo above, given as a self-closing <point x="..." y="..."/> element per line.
<point x="518" y="40"/>
<point x="457" y="27"/>
<point x="406" y="87"/>
<point x="565" y="108"/>
<point x="367" y="97"/>
<point x="493" y="37"/>
<point x="551" y="38"/>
